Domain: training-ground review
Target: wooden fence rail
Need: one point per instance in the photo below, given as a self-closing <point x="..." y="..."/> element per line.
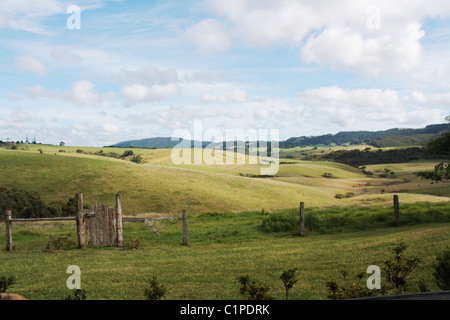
<point x="44" y="219"/>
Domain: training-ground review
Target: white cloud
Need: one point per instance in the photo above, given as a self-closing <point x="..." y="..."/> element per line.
<point x="39" y="92"/>
<point x="30" y="64"/>
<point x="350" y="108"/>
<point x="344" y="48"/>
<point x="374" y="100"/>
<point x="236" y="96"/>
<point x="146" y="76"/>
<point x="83" y="93"/>
<point x="209" y="36"/>
<point x="262" y="114"/>
<point x="110" y="128"/>
<point x="65" y="54"/>
<point x="333" y="33"/>
<point x="140" y="93"/>
<point x="28" y="15"/>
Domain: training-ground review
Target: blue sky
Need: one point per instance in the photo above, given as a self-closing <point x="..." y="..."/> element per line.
<point x="139" y="69"/>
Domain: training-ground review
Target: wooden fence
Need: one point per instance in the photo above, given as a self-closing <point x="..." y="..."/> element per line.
<point x="98" y="225"/>
<point x="82" y="215"/>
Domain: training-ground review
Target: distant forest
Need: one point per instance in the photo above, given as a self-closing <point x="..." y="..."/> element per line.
<point x="358" y="158"/>
<point x="379" y="139"/>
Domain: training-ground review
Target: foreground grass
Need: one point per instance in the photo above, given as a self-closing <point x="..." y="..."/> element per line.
<point x="222" y="247"/>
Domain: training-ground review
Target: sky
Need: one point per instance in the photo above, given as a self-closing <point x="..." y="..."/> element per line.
<point x="94" y="73"/>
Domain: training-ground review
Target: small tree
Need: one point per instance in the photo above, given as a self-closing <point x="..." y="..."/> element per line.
<point x="78" y="294"/>
<point x="5" y="282"/>
<point x="156" y="290"/>
<point x="244" y="281"/>
<point x="440" y="146"/>
<point x="398" y="268"/>
<point x="442" y="270"/>
<point x="289" y="279"/>
<point x="255" y="290"/>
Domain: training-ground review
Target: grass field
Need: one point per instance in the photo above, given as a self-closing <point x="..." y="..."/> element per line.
<point x="226" y="208"/>
<point x="162" y="187"/>
<point x="221" y="248"/>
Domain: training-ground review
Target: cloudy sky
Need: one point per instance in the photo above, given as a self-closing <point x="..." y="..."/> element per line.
<point x="139" y="69"/>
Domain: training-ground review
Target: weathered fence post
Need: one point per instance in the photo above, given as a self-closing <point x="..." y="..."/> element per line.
<point x="9" y="244"/>
<point x="119" y="223"/>
<point x="185" y="230"/>
<point x="302" y="219"/>
<point x="80" y="221"/>
<point x="396" y="211"/>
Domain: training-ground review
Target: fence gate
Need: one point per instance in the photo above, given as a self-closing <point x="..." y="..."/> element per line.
<point x="100" y="225"/>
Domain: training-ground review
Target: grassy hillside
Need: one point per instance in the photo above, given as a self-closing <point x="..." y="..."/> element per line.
<point x="159" y="186"/>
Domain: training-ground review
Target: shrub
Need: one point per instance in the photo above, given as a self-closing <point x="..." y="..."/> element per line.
<point x="327" y="175"/>
<point x="137" y="159"/>
<point x="63" y="241"/>
<point x="349" y="195"/>
<point x="442" y="270"/>
<point x="254" y="290"/>
<point x="398" y="268"/>
<point x="23" y="204"/>
<point x="80" y="151"/>
<point x="135" y="242"/>
<point x="289" y="280"/>
<point x="78" y="294"/>
<point x="126" y="154"/>
<point x="156" y="290"/>
<point x="279" y="223"/>
<point x="350" y="289"/>
<point x="5" y="282"/>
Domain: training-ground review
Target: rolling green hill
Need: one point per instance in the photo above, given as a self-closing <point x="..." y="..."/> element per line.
<point x="159" y="186"/>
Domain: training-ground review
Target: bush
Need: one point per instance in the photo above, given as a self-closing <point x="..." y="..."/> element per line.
<point x="23" y="204"/>
<point x="327" y="175"/>
<point x="253" y="290"/>
<point x="398" y="268"/>
<point x="78" y="294"/>
<point x="136" y="159"/>
<point x="126" y="154"/>
<point x="6" y="282"/>
<point x="442" y="270"/>
<point x="63" y="241"/>
<point x="289" y="280"/>
<point x="349" y="289"/>
<point x="135" y="242"/>
<point x="156" y="290"/>
<point x="279" y="223"/>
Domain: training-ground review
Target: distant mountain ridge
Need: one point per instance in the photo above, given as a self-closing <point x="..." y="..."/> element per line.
<point x="386" y="138"/>
<point x="158" y="143"/>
